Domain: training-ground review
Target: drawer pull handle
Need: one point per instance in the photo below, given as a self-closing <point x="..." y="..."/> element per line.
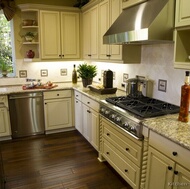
<point x="174" y="153"/>
<point x="88" y="111"/>
<point x="126" y="170"/>
<point x="107" y="153"/>
<point x="169" y="168"/>
<point x="127" y="149"/>
<point x="175" y="172"/>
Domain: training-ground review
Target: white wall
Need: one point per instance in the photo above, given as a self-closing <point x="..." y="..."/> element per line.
<point x="157" y="63"/>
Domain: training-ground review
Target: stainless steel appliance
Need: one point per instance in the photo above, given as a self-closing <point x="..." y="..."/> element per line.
<point x="128" y="112"/>
<point x="26" y="114"/>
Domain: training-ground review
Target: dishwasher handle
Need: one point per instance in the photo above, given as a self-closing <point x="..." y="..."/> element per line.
<point x="21" y="96"/>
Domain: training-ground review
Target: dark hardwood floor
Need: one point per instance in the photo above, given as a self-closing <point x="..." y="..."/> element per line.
<point x="57" y="161"/>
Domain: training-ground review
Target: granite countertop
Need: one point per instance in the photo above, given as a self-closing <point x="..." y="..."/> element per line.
<point x="169" y="127"/>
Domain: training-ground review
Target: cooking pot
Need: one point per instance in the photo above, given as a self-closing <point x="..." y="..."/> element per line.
<point x="135" y="87"/>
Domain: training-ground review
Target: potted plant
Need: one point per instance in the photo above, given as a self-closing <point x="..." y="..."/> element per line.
<point x="87" y="72"/>
<point x="29" y="36"/>
<point x="5" y="67"/>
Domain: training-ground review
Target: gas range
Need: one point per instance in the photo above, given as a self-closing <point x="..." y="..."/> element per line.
<point x="128" y="112"/>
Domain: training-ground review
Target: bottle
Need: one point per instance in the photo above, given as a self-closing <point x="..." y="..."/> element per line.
<point x="185" y="99"/>
<point x="74" y="75"/>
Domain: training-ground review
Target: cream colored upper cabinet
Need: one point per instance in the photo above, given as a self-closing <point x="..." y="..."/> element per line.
<point x="60" y="35"/>
<point x="109" y="10"/>
<point x="90" y="33"/>
<point x="182" y="13"/>
<point x="129" y="3"/>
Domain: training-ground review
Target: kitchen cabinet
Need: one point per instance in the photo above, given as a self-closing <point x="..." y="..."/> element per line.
<point x="90" y="109"/>
<point x="168" y="164"/>
<point x="129" y="3"/>
<point x="90" y="33"/>
<point x="122" y="151"/>
<point x="30" y="23"/>
<point x="109" y="10"/>
<point x="182" y="15"/>
<point x="182" y="48"/>
<point x="5" y="129"/>
<point x="58" y="110"/>
<point x="181" y="35"/>
<point x="78" y="112"/>
<point x="59" y="35"/>
<point x="87" y="118"/>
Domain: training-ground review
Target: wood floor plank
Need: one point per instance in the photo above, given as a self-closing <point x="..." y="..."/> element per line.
<point x="57" y="161"/>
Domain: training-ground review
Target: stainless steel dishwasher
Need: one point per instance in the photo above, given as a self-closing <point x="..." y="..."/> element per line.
<point x="26" y="114"/>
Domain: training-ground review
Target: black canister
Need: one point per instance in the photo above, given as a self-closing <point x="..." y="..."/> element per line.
<point x="108" y="79"/>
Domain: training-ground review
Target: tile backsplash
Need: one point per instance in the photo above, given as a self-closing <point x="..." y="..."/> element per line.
<point x="156" y="63"/>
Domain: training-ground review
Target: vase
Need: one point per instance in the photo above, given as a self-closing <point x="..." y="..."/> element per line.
<point x="87" y="81"/>
<point x="30" y="54"/>
<point x="4" y="73"/>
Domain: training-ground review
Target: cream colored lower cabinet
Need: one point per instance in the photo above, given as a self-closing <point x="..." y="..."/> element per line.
<point x="5" y="128"/>
<point x="122" y="151"/>
<point x="87" y="118"/>
<point x="168" y="164"/>
<point x="58" y="110"/>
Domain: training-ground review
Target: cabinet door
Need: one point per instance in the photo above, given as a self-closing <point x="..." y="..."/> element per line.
<point x="4" y="122"/>
<point x="115" y="8"/>
<point x="182" y="13"/>
<point x="50" y="34"/>
<point x="58" y="113"/>
<point x="86" y="119"/>
<point x="94" y="129"/>
<point x="78" y="116"/>
<point x="109" y="10"/>
<point x="90" y="33"/>
<point x="159" y="174"/>
<point x="70" y="35"/>
<point x="104" y="23"/>
<point x="129" y="3"/>
<point x="181" y="178"/>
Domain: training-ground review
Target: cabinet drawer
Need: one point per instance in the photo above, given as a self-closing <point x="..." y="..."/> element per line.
<point x="57" y="94"/>
<point x="78" y="95"/>
<point x="124" y="144"/>
<point x="170" y="149"/>
<point x="91" y="103"/>
<point x="127" y="169"/>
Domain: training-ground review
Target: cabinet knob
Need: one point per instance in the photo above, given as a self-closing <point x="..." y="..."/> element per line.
<point x="76" y="101"/>
<point x="127" y="149"/>
<point x="108" y="55"/>
<point x="175" y="172"/>
<point x="60" y="55"/>
<point x="89" y="55"/>
<point x="57" y="94"/>
<point x="169" y="168"/>
<point x="107" y="153"/>
<point x="174" y="153"/>
<point x="108" y="134"/>
<point x="126" y="170"/>
<point x="88" y="102"/>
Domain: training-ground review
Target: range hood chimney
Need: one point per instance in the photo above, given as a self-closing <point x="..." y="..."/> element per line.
<point x="146" y="23"/>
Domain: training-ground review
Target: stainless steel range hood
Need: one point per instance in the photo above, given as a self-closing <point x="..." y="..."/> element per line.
<point x="145" y="23"/>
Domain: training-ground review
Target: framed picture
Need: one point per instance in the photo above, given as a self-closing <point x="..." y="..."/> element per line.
<point x="44" y="73"/>
<point x="162" y="85"/>
<point x="23" y="73"/>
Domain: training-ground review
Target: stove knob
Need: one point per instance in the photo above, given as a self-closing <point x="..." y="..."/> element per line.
<point x="133" y="130"/>
<point x="126" y="125"/>
<point x="102" y="110"/>
<point x="113" y="116"/>
<point x="118" y="119"/>
<point x="107" y="112"/>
